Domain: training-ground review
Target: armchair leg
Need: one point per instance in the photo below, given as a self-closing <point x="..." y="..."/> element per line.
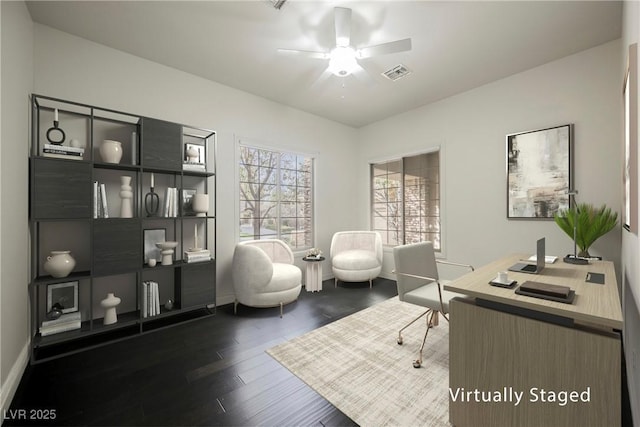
<point x="235" y="307"/>
<point x="335" y="282"/>
<point x="281" y="309"/>
<point x="370" y="283"/>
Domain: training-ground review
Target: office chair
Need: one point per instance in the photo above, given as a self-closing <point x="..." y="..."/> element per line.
<point x="418" y="283"/>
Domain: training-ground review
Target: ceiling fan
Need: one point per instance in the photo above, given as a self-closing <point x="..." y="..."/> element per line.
<point x="343" y="58"/>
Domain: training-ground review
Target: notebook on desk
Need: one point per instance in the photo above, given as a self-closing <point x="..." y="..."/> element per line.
<point x="532" y="268"/>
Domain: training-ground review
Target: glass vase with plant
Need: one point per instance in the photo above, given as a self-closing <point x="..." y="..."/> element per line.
<point x="590" y="224"/>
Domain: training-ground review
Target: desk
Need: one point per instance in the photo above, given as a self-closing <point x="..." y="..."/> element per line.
<point x="503" y="344"/>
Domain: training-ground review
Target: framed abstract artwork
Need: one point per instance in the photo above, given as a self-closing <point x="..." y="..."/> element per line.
<point x="630" y="132"/>
<point x="63" y="296"/>
<point x="539" y="172"/>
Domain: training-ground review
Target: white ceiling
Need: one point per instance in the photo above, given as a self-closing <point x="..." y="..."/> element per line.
<point x="456" y="45"/>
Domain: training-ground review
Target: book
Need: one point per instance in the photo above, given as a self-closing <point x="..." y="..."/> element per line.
<point x="103" y="194"/>
<point x="546" y="289"/>
<point x="145" y="298"/>
<point x="548" y="259"/>
<point x="61" y="156"/>
<point x="65" y="318"/>
<point x="62" y="324"/>
<point x="63" y="148"/>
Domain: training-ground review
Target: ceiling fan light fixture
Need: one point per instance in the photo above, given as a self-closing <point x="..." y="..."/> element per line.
<point x="342" y="61"/>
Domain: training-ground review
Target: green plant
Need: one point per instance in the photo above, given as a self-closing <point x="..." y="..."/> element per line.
<point x="591" y="224"/>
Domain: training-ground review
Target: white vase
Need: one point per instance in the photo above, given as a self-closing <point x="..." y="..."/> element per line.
<point x="111" y="151"/>
<point x="126" y="194"/>
<point x="109" y="304"/>
<point x="200" y="204"/>
<point x="59" y="263"/>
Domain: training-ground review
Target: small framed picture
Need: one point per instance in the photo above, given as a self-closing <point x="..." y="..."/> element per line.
<point x="187" y="197"/>
<point x="63" y="296"/>
<point x="151" y="237"/>
<point x="194" y="153"/>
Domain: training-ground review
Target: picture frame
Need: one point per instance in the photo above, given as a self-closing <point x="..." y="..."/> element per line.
<point x="151" y="237"/>
<point x="187" y="198"/>
<point x="199" y="148"/>
<point x="63" y="294"/>
<point x="630" y="132"/>
<point x="539" y="172"/>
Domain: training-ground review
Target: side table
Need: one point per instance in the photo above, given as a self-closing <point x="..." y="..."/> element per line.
<point x="313" y="278"/>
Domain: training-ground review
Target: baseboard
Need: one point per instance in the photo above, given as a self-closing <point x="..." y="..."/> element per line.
<point x="8" y="389"/>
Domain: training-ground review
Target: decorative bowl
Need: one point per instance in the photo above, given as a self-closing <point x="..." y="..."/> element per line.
<point x="166" y="245"/>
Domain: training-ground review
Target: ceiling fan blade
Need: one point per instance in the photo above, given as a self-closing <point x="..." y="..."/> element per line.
<point x="342" y="17"/>
<point x="385" y="48"/>
<point x="363" y="76"/>
<point x="305" y="53"/>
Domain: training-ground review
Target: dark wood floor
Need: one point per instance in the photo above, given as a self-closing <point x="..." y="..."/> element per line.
<point x="213" y="371"/>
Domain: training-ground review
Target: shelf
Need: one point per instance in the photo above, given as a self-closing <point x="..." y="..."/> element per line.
<point x="110" y="252"/>
<point x="73" y="276"/>
<point x="116" y="166"/>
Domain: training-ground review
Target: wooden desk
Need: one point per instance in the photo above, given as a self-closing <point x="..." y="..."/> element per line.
<point x="502" y="344"/>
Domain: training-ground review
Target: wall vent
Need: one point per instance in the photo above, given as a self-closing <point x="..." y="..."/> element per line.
<point x="397" y="72"/>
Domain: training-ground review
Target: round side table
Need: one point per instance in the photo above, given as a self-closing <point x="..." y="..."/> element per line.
<point x="313" y="277"/>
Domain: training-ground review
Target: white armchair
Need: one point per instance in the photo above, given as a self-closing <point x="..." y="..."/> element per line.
<point x="264" y="274"/>
<point x="356" y="256"/>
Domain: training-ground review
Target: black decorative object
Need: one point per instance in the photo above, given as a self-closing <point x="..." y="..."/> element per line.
<point x="55" y="135"/>
<point x="151" y="203"/>
<point x="151" y="200"/>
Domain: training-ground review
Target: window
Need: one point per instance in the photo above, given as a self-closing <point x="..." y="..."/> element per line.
<point x="406" y="199"/>
<point x="276" y="196"/>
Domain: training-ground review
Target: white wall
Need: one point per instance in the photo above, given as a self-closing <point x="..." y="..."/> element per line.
<point x="582" y="89"/>
<point x="631" y="244"/>
<point x="16" y="84"/>
<point x="75" y="69"/>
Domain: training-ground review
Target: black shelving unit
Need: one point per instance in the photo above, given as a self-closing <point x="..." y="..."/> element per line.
<point x="109" y="252"/>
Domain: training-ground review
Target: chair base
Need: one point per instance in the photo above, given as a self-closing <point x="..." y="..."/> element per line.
<point x="432" y="321"/>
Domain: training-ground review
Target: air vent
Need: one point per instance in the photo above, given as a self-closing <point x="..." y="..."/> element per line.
<point x="397" y="72"/>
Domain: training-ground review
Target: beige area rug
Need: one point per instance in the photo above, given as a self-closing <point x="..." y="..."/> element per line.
<point x="356" y="364"/>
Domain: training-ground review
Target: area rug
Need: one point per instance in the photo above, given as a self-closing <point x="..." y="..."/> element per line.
<point x="356" y="364"/>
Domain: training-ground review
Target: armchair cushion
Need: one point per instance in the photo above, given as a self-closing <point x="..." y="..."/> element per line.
<point x="356" y="259"/>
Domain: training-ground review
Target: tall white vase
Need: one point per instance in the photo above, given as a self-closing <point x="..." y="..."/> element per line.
<point x="126" y="194"/>
<point x="109" y="304"/>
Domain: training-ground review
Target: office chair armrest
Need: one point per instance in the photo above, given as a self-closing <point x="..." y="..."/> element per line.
<point x="439" y="261"/>
<point x="415" y="276"/>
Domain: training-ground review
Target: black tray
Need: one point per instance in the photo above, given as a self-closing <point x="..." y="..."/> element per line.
<point x="567" y="300"/>
<point x="504" y="285"/>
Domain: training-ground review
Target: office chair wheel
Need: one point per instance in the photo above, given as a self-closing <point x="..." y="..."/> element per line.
<point x="399" y="341"/>
<point x="417" y="364"/>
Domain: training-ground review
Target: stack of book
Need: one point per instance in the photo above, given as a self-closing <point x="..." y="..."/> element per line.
<point x="194" y="166"/>
<point x="150" y="299"/>
<point x="64" y="323"/>
<point x="62" y="152"/>
<point x="100" y="209"/>
<point x="170" y="208"/>
<point x="197" y="255"/>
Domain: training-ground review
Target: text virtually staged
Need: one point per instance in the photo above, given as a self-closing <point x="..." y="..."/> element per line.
<point x="511" y="395"/>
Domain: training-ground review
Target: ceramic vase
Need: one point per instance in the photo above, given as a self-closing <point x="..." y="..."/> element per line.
<point x="200" y="204"/>
<point x="126" y="194"/>
<point x="109" y="304"/>
<point x="111" y="151"/>
<point x="59" y="263"/>
<point x="192" y="155"/>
